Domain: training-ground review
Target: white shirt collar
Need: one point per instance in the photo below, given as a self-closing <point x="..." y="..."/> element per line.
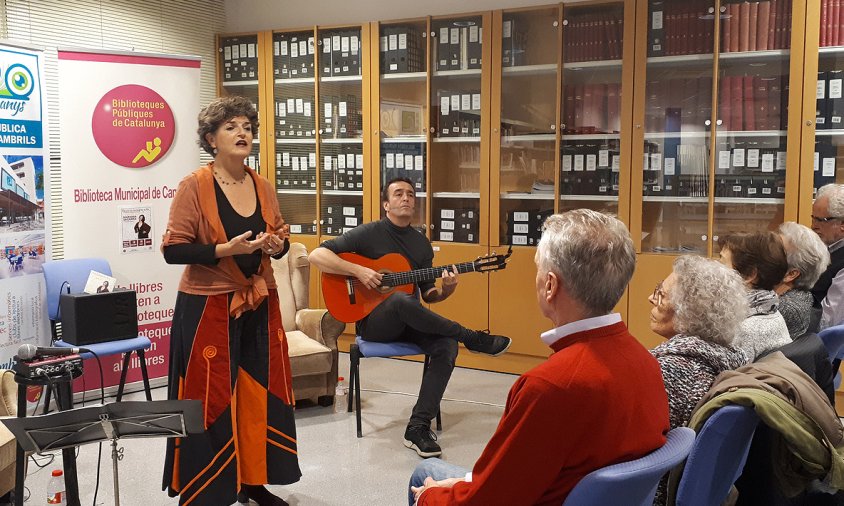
<point x="552" y="336"/>
<point x="836" y="245"/>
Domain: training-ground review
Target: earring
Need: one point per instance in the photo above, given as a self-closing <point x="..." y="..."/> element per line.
<point x="214" y="150"/>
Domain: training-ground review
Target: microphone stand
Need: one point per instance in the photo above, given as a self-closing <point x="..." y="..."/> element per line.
<point x="116" y="454"/>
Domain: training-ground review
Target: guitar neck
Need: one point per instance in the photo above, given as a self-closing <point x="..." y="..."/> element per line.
<point x="420" y="275"/>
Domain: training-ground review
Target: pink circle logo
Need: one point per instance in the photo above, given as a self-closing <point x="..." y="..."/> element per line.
<point x="133" y="126"/>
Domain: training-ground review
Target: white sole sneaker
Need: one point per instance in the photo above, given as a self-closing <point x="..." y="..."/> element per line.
<point x="424" y="455"/>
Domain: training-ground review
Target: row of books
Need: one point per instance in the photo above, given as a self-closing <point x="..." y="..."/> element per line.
<point x="593" y="36"/>
<point x="513" y="42"/>
<point x="663" y="165"/>
<point x="339" y="219"/>
<point x="830" y="99"/>
<point x="679" y="28"/>
<point x="342" y="168"/>
<point x="342" y="116"/>
<point x="753" y="102"/>
<point x="750" y="157"/>
<point x="293" y="55"/>
<point x="295" y="117"/>
<point x="602" y="182"/>
<point x="826" y="154"/>
<point x="592" y="108"/>
<point x="296" y="168"/>
<point x="240" y="58"/>
<point x="524" y="227"/>
<point x="672" y="105"/>
<point x="458" y="113"/>
<point x="458" y="225"/>
<point x="756" y="26"/>
<point x="341" y="54"/>
<point x="459" y="45"/>
<point x="590" y="156"/>
<point x="401" y="50"/>
<point x="832" y="23"/>
<point x="404" y="160"/>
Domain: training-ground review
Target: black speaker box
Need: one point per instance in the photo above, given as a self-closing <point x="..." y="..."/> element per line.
<point x="96" y="318"/>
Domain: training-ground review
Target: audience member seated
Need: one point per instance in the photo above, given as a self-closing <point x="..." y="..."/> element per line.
<point x="828" y="223"/>
<point x="598" y="399"/>
<point x="760" y="260"/>
<point x="807" y="259"/>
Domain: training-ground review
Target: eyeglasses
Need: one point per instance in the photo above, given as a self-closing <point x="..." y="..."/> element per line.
<point x="827" y="219"/>
<point x="658" y="294"/>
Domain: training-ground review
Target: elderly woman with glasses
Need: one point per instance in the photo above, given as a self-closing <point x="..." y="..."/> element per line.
<point x="808" y="258"/>
<point x="760" y="260"/>
<point x="698" y="308"/>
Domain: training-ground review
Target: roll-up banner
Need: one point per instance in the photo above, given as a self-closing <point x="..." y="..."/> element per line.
<point x="128" y="136"/>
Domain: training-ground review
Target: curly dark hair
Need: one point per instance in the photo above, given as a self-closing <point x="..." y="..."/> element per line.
<point x="221" y="110"/>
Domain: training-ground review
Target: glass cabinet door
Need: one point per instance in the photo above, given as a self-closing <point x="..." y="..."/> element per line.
<point x="752" y="116"/>
<point x="525" y="131"/>
<point x="340" y="128"/>
<point x="403" y="109"/>
<point x="239" y="71"/>
<point x="456" y="150"/>
<point x="590" y="147"/>
<point x="677" y="126"/>
<point x="829" y="121"/>
<point x="295" y="129"/>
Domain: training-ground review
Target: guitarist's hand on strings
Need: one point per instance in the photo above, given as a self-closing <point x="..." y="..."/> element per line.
<point x="449" y="280"/>
<point x="368" y="277"/>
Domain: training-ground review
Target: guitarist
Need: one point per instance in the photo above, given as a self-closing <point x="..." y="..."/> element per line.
<point x="402" y="317"/>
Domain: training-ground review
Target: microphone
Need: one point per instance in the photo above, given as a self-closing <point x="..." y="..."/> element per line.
<point x="30" y="351"/>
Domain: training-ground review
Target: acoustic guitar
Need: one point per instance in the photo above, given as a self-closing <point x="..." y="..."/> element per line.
<point x="348" y="300"/>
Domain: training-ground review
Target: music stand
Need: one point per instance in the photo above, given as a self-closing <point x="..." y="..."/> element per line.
<point x="127" y="419"/>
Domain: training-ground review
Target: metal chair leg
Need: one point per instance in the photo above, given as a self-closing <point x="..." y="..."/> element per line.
<point x="354" y="390"/>
<point x="126" y="357"/>
<point x="141" y="356"/>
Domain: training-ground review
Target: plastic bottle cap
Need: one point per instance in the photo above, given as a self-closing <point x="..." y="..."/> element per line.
<point x="340" y="378"/>
<point x="57" y="472"/>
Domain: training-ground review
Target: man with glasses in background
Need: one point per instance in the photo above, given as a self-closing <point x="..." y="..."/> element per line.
<point x="828" y="223"/>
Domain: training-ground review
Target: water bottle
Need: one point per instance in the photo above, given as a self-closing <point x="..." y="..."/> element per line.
<point x="340" y="396"/>
<point x="55" y="488"/>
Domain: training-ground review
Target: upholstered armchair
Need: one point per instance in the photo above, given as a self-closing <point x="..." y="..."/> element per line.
<point x="311" y="333"/>
<point x="8" y="407"/>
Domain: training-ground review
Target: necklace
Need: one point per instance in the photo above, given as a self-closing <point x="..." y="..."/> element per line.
<point x="233" y="182"/>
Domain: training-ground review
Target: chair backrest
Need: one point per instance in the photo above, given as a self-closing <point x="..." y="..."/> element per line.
<point x="292" y="275"/>
<point x="833" y="340"/>
<point x="717" y="457"/>
<point x="73" y="274"/>
<point x="633" y="483"/>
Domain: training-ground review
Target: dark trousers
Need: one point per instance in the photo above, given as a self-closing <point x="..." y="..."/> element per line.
<point x="402" y="317"/>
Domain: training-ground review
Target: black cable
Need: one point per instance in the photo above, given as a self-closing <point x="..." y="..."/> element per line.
<point x="59" y="309"/>
<point x="100" y="444"/>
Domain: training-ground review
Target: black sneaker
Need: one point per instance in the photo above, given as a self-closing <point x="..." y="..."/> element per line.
<point x="484" y="342"/>
<point x="423" y="440"/>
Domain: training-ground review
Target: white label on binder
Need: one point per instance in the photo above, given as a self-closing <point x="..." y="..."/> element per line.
<point x="335" y="43"/>
<point x="766" y="191"/>
<point x="669" y="166"/>
<point x="828" y="167"/>
<point x="303" y="163"/>
<point x="359" y="160"/>
<point x="751" y="191"/>
<point x="446" y="225"/>
<point x="723" y="159"/>
<point x="507" y="27"/>
<point x="235" y="52"/>
<point x="616" y="163"/>
<point x="737" y="189"/>
<point x="294" y="50"/>
<point x="278" y="161"/>
<point x="820" y="94"/>
<point x="383" y="45"/>
<point x="282" y="109"/>
<point x="817" y="161"/>
<point x="408" y="162"/>
<point x="393" y="42"/>
<point x="419" y="162"/>
<point x="307" y="108"/>
<point x="227" y="53"/>
<point x="835" y="88"/>
<point x="656" y="22"/>
<point x="780" y="160"/>
<point x="311" y="45"/>
<point x="465" y="102"/>
<point x="341" y="162"/>
<point x="342" y="109"/>
<point x="455" y="36"/>
<point x="519" y="240"/>
<point x="591" y="162"/>
<point x="344" y="44"/>
<point x="447" y="214"/>
<point x="285" y="159"/>
<point x="327" y="110"/>
<point x="291" y="105"/>
<point x="603" y="158"/>
<point x="300" y="106"/>
<point x="348" y="211"/>
<point x="312" y="160"/>
<point x="243" y="50"/>
<point x="566" y="163"/>
<point x="476" y="101"/>
<point x="295" y="163"/>
<point x="520" y="216"/>
<point x="399" y="161"/>
<point x="276" y="48"/>
<point x="738" y="157"/>
<point x="250" y="50"/>
<point x="391" y="160"/>
<point x="445" y="106"/>
<point x="327" y="162"/>
<point x="402" y="41"/>
<point x="303" y="47"/>
<point x="444" y="35"/>
<point x="656" y="161"/>
<point x="350" y="160"/>
<point x="521" y="228"/>
<point x="753" y="158"/>
<point x="474" y="34"/>
<point x="768" y="162"/>
<point x="447" y="236"/>
<point x="351" y="221"/>
<point x="455" y="102"/>
<point x="578" y="163"/>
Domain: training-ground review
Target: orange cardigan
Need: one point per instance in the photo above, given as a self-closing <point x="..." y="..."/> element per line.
<point x="194" y="218"/>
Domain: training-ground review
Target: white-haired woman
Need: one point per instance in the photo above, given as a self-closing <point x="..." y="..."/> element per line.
<point x="698" y="308"/>
<point x="808" y="258"/>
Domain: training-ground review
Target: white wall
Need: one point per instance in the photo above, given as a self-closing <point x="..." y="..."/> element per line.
<point x="256" y="15"/>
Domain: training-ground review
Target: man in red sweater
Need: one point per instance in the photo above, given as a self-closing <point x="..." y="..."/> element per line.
<point x="598" y="400"/>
